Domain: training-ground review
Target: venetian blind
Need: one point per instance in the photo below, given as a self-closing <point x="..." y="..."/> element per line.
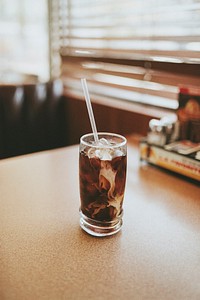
<point x="134" y="50"/>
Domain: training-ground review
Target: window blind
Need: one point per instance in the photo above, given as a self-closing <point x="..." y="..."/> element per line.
<point x="133" y="50"/>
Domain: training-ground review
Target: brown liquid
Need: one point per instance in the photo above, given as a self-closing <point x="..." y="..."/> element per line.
<point x="102" y="185"/>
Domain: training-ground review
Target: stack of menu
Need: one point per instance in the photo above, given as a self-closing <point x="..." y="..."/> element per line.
<point x="182" y="157"/>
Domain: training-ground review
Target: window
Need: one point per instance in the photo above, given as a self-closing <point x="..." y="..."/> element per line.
<point x="134" y="50"/>
<point x="23" y="39"/>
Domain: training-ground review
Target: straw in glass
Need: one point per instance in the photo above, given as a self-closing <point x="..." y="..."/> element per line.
<point x="89" y="108"/>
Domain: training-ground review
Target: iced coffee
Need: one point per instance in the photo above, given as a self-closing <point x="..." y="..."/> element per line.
<point x="102" y="170"/>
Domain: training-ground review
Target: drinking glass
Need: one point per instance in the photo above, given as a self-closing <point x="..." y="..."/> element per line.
<point x="102" y="177"/>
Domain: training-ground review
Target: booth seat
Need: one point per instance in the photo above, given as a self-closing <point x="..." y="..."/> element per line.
<point x="32" y="118"/>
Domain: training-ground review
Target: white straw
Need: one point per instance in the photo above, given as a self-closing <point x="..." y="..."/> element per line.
<point x="89" y="108"/>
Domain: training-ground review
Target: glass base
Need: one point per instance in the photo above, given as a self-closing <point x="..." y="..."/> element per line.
<point x="98" y="228"/>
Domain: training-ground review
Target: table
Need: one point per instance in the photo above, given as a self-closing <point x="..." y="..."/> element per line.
<point x="45" y="255"/>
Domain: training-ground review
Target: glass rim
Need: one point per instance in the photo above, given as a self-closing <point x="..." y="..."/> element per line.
<point x="118" y="144"/>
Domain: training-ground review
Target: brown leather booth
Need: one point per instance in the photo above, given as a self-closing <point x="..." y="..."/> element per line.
<point x="32" y="118"/>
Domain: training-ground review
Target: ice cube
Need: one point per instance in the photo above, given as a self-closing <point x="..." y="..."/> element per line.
<point x="117" y="153"/>
<point x="103" y="142"/>
<point x="102" y="153"/>
<point x="106" y="154"/>
<point x="92" y="153"/>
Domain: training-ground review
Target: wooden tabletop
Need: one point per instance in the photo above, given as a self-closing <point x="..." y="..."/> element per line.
<point x="45" y="255"/>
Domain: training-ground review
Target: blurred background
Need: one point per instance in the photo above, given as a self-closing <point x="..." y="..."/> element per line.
<point x="135" y="55"/>
<point x="24" y="43"/>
